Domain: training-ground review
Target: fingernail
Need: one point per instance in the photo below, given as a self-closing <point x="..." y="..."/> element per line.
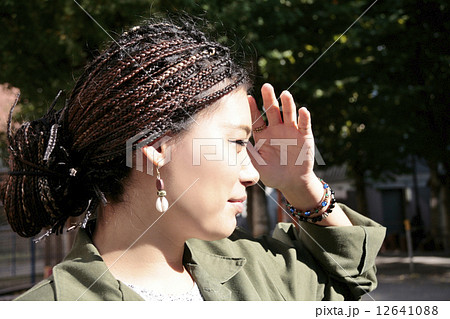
<point x="286" y="92"/>
<point x="268" y="85"/>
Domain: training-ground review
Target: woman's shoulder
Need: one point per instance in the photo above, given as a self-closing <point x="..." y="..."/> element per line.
<point x="42" y="291"/>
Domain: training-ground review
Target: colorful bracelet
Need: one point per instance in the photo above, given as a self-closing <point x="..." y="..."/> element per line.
<point x="323" y="215"/>
<point x="328" y="201"/>
<point x="323" y="203"/>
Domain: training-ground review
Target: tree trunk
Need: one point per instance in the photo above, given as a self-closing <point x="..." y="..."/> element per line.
<point x="361" y="200"/>
<point x="257" y="219"/>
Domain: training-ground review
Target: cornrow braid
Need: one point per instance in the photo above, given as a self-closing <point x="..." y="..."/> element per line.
<point x="152" y="79"/>
<point x="146" y="92"/>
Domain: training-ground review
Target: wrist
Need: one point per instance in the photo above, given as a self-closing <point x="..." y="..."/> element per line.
<point x="322" y="217"/>
<point x="306" y="193"/>
<point x="318" y="214"/>
<point x="320" y="211"/>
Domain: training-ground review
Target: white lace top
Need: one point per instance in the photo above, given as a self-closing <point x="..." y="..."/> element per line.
<point x="150" y="295"/>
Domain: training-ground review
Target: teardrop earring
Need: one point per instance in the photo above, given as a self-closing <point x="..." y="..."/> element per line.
<point x="162" y="205"/>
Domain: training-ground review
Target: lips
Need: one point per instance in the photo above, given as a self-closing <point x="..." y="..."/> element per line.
<point x="238" y="203"/>
<point x="241" y="199"/>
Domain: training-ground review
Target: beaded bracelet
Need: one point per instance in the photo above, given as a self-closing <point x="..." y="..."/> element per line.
<point x="328" y="199"/>
<point x="323" y="202"/>
<point x="323" y="215"/>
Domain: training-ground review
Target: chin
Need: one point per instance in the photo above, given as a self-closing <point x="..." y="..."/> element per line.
<point x="216" y="233"/>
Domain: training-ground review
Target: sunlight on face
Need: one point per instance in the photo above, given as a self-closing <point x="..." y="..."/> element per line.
<point x="212" y="154"/>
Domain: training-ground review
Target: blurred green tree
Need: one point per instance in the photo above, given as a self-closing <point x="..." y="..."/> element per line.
<point x="45" y="44"/>
<point x="378" y="96"/>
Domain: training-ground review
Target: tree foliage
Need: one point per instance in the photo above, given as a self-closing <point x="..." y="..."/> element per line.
<point x="46" y="44"/>
<point x="378" y="94"/>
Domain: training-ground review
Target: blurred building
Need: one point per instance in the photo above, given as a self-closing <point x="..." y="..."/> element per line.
<point x="391" y="202"/>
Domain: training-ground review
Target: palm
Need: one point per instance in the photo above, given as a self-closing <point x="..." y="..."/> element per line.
<point x="283" y="151"/>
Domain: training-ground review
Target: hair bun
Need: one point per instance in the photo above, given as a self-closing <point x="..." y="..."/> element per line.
<point x="43" y="187"/>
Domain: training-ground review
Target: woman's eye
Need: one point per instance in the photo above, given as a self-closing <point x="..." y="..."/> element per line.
<point x="241" y="144"/>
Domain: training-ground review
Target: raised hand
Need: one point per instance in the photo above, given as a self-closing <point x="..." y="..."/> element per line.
<point x="285" y="146"/>
<point x="284" y="152"/>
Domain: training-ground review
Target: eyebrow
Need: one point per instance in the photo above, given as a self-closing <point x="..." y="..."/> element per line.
<point x="245" y="128"/>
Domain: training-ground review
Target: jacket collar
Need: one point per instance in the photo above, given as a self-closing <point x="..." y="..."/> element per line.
<point x="211" y="271"/>
<point x="83" y="275"/>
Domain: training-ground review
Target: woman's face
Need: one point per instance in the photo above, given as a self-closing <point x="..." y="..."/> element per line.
<point x="209" y="171"/>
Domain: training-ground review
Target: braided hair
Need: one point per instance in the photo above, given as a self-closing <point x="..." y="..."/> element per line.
<point x="152" y="79"/>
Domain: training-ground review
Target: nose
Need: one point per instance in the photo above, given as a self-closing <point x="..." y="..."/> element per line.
<point x="248" y="176"/>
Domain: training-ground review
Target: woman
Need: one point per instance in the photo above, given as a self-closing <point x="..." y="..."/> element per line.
<point x="182" y="103"/>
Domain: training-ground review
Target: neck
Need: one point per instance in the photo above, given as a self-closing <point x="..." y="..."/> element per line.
<point x="137" y="250"/>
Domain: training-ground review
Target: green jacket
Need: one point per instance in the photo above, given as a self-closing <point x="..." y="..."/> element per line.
<point x="315" y="263"/>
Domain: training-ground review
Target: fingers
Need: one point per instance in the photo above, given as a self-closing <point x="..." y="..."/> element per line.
<point x="304" y="121"/>
<point x="272" y="111"/>
<point x="289" y="109"/>
<point x="257" y="119"/>
<point x="271" y="104"/>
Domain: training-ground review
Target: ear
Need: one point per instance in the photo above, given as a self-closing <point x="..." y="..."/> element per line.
<point x="159" y="157"/>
